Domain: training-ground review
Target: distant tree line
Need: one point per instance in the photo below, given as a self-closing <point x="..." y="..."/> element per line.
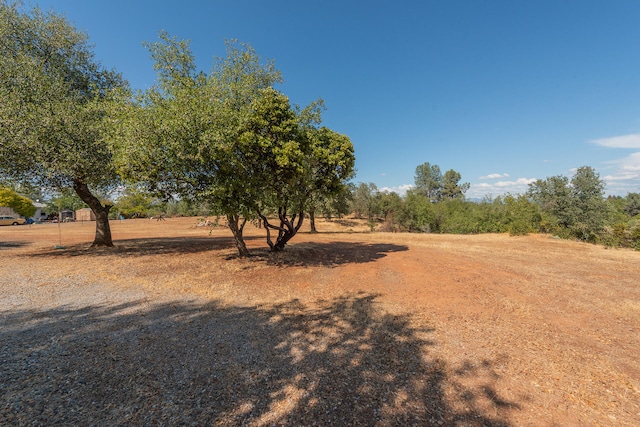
<point x="568" y="208"/>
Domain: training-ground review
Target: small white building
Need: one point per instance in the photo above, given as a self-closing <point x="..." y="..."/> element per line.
<point x="40" y="215"/>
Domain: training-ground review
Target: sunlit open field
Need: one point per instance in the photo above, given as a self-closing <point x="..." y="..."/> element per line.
<point x="345" y="327"/>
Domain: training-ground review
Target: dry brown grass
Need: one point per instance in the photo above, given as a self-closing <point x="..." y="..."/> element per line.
<point x="345" y="327"/>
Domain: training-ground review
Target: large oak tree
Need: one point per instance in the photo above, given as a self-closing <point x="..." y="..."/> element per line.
<point x="54" y="97"/>
<point x="230" y="139"/>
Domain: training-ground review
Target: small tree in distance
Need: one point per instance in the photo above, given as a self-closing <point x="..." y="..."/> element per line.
<point x="134" y="202"/>
<point x="428" y="180"/>
<point x="431" y="183"/>
<point x="573" y="208"/>
<point x="364" y="200"/>
<point x="451" y="187"/>
<point x="20" y="204"/>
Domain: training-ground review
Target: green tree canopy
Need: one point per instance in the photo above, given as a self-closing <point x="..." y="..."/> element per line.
<point x="66" y="199"/>
<point x="364" y="200"/>
<point x="53" y="99"/>
<point x="554" y="197"/>
<point x="417" y="213"/>
<point x="451" y="187"/>
<point x="431" y="183"/>
<point x="572" y="208"/>
<point x="632" y="204"/>
<point x="229" y="139"/>
<point x="20" y="204"/>
<point x="590" y="207"/>
<point x="328" y="163"/>
<point x="134" y="202"/>
<point x="428" y="181"/>
<point x="336" y="205"/>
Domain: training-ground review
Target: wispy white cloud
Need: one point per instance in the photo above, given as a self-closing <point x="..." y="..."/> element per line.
<point x="400" y="189"/>
<point x="621" y="141"/>
<point x="631" y="163"/>
<point x="623" y="173"/>
<point x="626" y="175"/>
<point x="493" y="189"/>
<point x="495" y="176"/>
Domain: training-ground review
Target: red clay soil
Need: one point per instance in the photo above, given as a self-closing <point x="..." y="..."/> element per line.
<point x="527" y="330"/>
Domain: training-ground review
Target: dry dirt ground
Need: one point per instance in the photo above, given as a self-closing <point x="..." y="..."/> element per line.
<point x="345" y="327"/>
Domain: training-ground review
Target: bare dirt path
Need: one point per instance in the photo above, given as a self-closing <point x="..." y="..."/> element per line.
<point x="345" y="327"/>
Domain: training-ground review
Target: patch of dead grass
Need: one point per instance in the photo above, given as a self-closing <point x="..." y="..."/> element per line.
<point x="523" y="330"/>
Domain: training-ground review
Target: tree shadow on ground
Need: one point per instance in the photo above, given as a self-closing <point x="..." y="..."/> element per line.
<point x="301" y="254"/>
<point x="150" y="246"/>
<point x="338" y="362"/>
<point x="12" y="245"/>
<point x="329" y="254"/>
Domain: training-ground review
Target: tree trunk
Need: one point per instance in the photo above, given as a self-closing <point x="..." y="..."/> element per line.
<point x="103" y="230"/>
<point x="287" y="229"/>
<point x="237" y="228"/>
<point x="312" y="220"/>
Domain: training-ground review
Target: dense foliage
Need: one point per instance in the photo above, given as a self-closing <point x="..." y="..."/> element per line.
<point x="230" y="140"/>
<point x="53" y="99"/>
<point x="225" y="142"/>
<point x="431" y="183"/>
<point x="64" y="200"/>
<point x="20" y="204"/>
<point x="569" y="208"/>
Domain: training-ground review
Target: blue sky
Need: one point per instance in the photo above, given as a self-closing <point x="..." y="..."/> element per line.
<point x="502" y="91"/>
